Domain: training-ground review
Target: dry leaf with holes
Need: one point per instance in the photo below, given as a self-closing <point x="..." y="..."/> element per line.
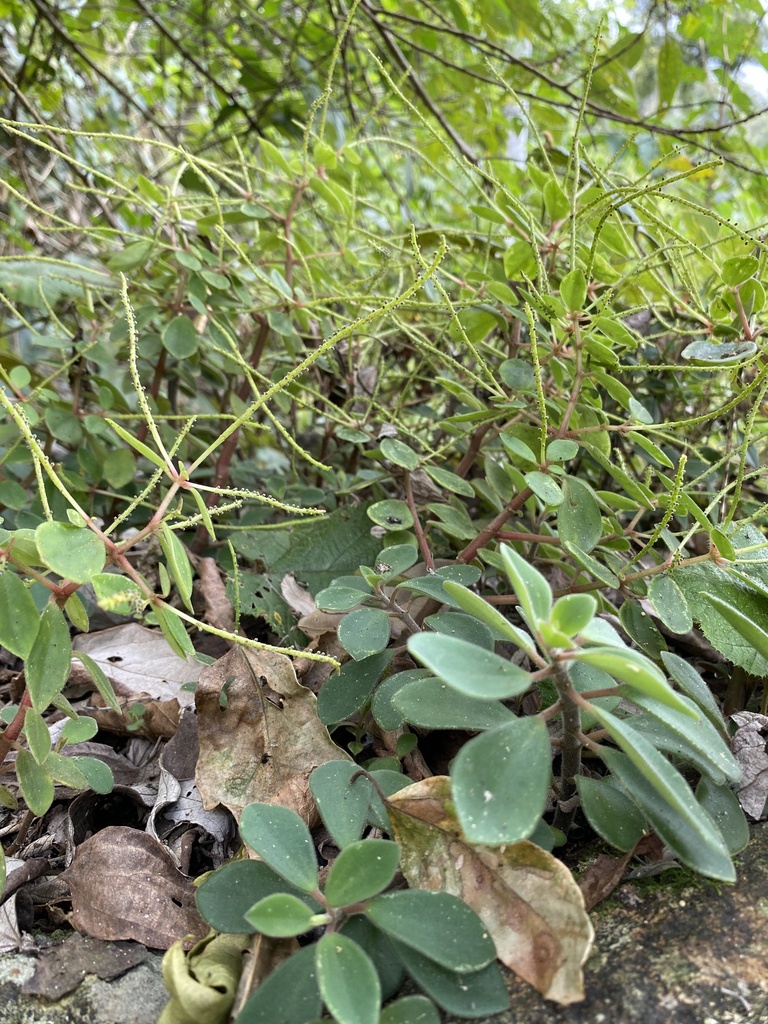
<point x="259" y="735"/>
<point x="526" y="898"/>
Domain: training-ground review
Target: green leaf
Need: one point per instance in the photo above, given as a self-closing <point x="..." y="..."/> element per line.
<point x="361" y="870"/>
<point x="500" y="780"/>
<point x="348" y="981"/>
<point x="650" y="449"/>
<point x="477" y="606"/>
<point x="573" y="290"/>
<point x="665" y="798"/>
<point x="76" y="613"/>
<point x="19" y="618"/>
<point x="49" y="661"/>
<point x="670" y="604"/>
<point x="339" y="599"/>
<point x="180" y="337"/>
<point x="378" y="947"/>
<point x="115" y="593"/>
<point x="288" y="995"/>
<point x="348" y="691"/>
<point x="641" y="628"/>
<point x="280" y="915"/>
<point x="391" y="514"/>
<point x="119" y="468"/>
<point x="752" y="631"/>
<point x="364" y="633"/>
<point x="432" y="704"/>
<point x="177" y="561"/>
<point x="611" y="814"/>
<point x="670" y="69"/>
<point x="556" y="202"/>
<point x="432" y="585"/>
<point x="468" y="668"/>
<point x="174" y="631"/>
<point x="562" y="450"/>
<point x="461" y="627"/>
<point x="532" y="590"/>
<point x="578" y="516"/>
<point x="282" y="839"/>
<point x="476" y="994"/>
<point x="714" y="353"/>
<point x="103" y="685"/>
<point x="573" y="612"/>
<point x="398" y="558"/>
<point x="65" y="771"/>
<point x="400" y="454"/>
<point x="72" y="552"/>
<point x="343" y="804"/>
<point x="637" y="671"/>
<point x="450" y="481"/>
<point x="723" y="807"/>
<point x="410" y="1010"/>
<point x="691" y="683"/>
<point x="35" y="782"/>
<point x="38" y="737"/>
<point x="436" y="924"/>
<point x="228" y="893"/>
<point x="382" y="706"/>
<point x="137" y="445"/>
<point x="98" y="775"/>
<point x="80" y="729"/>
<point x="135" y="254"/>
<point x="544" y="487"/>
<point x="516" y="446"/>
<point x="738" y="269"/>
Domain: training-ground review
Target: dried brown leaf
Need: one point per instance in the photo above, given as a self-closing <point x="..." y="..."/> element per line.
<point x="526" y="898"/>
<point x="218" y="607"/>
<point x="601" y="877"/>
<point x="259" y="734"/>
<point x="125" y="885"/>
<point x="749" y="748"/>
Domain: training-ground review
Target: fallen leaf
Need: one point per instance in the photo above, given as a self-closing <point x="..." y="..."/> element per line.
<point x="61" y="968"/>
<point x="527" y="899"/>
<point x="749" y="749"/>
<point x="10" y="933"/>
<point x="125" y="885"/>
<point x="204" y="981"/>
<point x="218" y="607"/>
<point x="140" y="661"/>
<point x="259" y="734"/>
<point x="601" y="877"/>
<point x="299" y="600"/>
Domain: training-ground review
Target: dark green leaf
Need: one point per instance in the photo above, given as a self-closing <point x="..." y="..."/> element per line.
<point x="361" y="870"/>
<point x="343" y="804"/>
<point x="345" y="693"/>
<point x="282" y="839"/>
<point x="289" y="995"/>
<point x="19" y="617"/>
<point x="476" y="994"/>
<point x="280" y="915"/>
<point x="364" y="633"/>
<point x="432" y="704"/>
<point x="347" y="980"/>
<point x="610" y="812"/>
<point x="468" y="668"/>
<point x="72" y="552"/>
<point x="49" y="661"/>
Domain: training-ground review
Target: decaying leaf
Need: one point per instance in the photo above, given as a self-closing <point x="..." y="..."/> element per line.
<point x="125" y="885"/>
<point x="526" y="898"/>
<point x="218" y="607"/>
<point x="749" y="748"/>
<point x="259" y="734"/>
<point x="61" y="968"/>
<point x="601" y="877"/>
<point x="203" y="982"/>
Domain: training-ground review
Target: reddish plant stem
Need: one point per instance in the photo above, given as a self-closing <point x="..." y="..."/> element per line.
<point x="473" y="450"/>
<point x="426" y="554"/>
<point x="12" y="731"/>
<point x="492" y="529"/>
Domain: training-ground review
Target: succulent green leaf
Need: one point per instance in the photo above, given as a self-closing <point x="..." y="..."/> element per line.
<point x="361" y="870"/>
<point x="35" y="782"/>
<point x="65" y="771"/>
<point x="98" y="775"/>
<point x="280" y="916"/>
<point x="473" y="994"/>
<point x="364" y="633"/>
<point x="289" y="995"/>
<point x="616" y="818"/>
<point x="573" y="612"/>
<point x="477" y="606"/>
<point x="49" y="661"/>
<point x="533" y="592"/>
<point x="544" y="487"/>
<point x="342" y="803"/>
<point x="468" y="668"/>
<point x="348" y="981"/>
<point x="349" y="690"/>
<point x="723" y="807"/>
<point x="500" y="780"/>
<point x="410" y="1010"/>
<point x="666" y="800"/>
<point x="670" y="604"/>
<point x="102" y="684"/>
<point x="432" y="704"/>
<point x="636" y="671"/>
<point x="462" y="627"/>
<point x="19" y="617"/>
<point x="391" y="513"/>
<point x="691" y="683"/>
<point x="436" y="924"/>
<point x="738" y="269"/>
<point x="573" y="290"/>
<point x="282" y="839"/>
<point x="399" y="453"/>
<point x="228" y="893"/>
<point x="72" y="552"/>
<point x="174" y="631"/>
<point x="80" y="729"/>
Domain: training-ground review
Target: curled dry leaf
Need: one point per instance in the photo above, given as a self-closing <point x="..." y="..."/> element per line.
<point x="749" y="748"/>
<point x="259" y="734"/>
<point x="526" y="898"/>
<point x="125" y="885"/>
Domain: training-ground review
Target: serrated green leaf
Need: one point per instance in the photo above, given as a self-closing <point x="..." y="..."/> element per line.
<point x="436" y="924"/>
<point x="73" y="553"/>
<point x="282" y="839"/>
<point x="48" y="664"/>
<point x="500" y="780"/>
<point x="19" y="617"/>
<point x="348" y="981"/>
<point x="468" y="668"/>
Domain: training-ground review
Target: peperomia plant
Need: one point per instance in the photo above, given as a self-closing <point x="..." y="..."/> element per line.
<point x="610" y="701"/>
<point x="366" y="937"/>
